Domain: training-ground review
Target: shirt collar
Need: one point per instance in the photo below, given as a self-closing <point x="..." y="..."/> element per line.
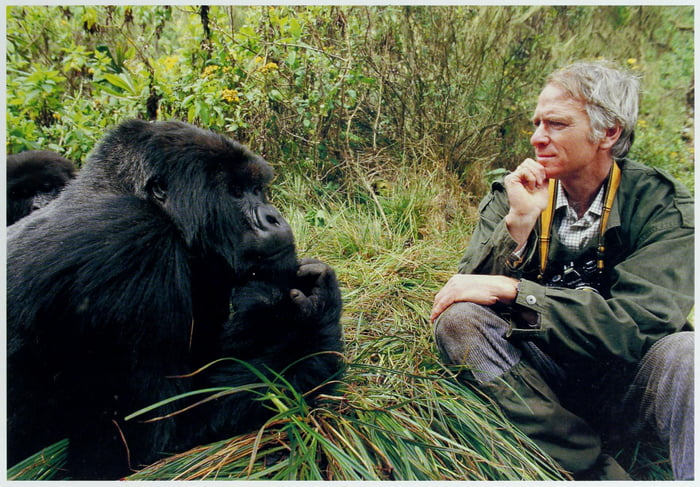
<point x="596" y="207"/>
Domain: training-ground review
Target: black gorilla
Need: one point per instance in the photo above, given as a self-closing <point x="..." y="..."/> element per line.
<point x="34" y="178"/>
<point x="162" y="256"/>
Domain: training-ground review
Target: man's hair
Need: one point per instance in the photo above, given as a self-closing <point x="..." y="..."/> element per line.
<point x="610" y="95"/>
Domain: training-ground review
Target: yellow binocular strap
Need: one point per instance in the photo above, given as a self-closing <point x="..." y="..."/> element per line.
<point x="548" y="214"/>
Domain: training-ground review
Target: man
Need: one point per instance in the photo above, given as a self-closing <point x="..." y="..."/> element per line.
<point x="570" y="309"/>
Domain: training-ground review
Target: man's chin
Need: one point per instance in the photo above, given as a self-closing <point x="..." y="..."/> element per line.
<point x="552" y="172"/>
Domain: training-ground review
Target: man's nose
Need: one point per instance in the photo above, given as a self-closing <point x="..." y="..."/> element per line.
<point x="539" y="136"/>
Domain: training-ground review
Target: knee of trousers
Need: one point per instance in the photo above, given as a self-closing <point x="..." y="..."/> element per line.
<point x="667" y="370"/>
<point x="669" y="363"/>
<point x="473" y="335"/>
<point x="663" y="395"/>
<point x="459" y="330"/>
<point x="675" y="351"/>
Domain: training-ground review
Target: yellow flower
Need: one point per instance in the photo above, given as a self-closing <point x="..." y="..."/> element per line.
<point x="268" y="67"/>
<point x="632" y="61"/>
<point x="170" y="62"/>
<point x="231" y="96"/>
<point x="209" y="70"/>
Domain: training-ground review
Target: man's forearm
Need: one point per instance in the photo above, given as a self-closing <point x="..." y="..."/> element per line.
<point x="475" y="288"/>
<point x="520" y="226"/>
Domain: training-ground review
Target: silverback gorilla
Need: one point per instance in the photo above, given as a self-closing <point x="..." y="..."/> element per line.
<point x="162" y="256"/>
<point x="34" y="179"/>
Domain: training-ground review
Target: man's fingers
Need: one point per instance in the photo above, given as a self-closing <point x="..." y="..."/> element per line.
<point x="437" y="310"/>
<point x="530" y="174"/>
<point x="443" y="300"/>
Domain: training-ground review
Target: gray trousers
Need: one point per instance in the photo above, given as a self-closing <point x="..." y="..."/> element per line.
<point x="528" y="385"/>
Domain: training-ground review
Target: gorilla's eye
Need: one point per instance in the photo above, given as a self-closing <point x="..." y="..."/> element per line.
<point x="157" y="190"/>
<point x="237" y="192"/>
<point x="260" y="192"/>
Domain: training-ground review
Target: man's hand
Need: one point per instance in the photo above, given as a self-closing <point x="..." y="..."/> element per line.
<point x="475" y="288"/>
<point x="527" y="197"/>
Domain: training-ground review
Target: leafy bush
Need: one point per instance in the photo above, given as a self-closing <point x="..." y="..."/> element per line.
<point x="318" y="86"/>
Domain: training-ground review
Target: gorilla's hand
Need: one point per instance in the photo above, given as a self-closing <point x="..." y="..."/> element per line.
<point x="316" y="293"/>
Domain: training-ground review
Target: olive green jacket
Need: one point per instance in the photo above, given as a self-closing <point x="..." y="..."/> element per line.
<point x="649" y="260"/>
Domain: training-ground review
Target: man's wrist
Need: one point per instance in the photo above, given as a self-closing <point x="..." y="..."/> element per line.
<point x="520" y="226"/>
<point x="509" y="291"/>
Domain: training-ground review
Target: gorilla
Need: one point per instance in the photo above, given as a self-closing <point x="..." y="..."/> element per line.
<point x="163" y="258"/>
<point x="34" y="179"/>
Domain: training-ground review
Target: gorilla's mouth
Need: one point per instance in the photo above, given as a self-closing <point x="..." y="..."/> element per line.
<point x="280" y="264"/>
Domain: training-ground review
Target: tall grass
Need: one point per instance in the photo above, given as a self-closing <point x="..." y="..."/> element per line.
<point x="387" y="424"/>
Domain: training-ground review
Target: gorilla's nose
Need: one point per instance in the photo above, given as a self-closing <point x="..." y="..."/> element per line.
<point x="272" y="233"/>
<point x="269" y="218"/>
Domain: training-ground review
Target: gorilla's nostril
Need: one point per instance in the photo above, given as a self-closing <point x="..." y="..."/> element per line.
<point x="272" y="220"/>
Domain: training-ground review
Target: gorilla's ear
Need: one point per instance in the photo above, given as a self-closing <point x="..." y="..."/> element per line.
<point x="157" y="190"/>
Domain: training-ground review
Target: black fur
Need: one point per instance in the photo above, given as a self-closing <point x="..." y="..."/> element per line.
<point x="34" y="179"/>
<point x="125" y="284"/>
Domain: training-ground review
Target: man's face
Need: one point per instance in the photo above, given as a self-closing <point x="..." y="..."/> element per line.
<point x="562" y="138"/>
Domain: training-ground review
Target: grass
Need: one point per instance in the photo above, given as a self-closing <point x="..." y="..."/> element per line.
<point x="373" y="431"/>
<point x="386" y="425"/>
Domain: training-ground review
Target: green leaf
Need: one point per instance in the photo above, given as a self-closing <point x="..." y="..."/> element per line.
<point x="119" y="81"/>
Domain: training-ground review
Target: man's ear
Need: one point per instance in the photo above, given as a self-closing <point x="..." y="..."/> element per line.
<point x="610" y="137"/>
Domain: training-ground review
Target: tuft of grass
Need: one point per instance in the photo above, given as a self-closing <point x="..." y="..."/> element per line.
<point x="47" y="464"/>
<point x="384" y="425"/>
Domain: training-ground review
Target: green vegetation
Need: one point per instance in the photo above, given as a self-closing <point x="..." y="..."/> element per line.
<point x="385" y="125"/>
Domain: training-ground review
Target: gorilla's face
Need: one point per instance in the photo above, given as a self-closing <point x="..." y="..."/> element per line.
<point x="34" y="179"/>
<point x="211" y="187"/>
<point x="215" y="190"/>
<point x="264" y="241"/>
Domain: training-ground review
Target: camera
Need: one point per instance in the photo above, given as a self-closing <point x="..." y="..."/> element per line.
<point x="584" y="275"/>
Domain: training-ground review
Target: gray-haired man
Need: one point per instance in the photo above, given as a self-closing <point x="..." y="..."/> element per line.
<point x="571" y="303"/>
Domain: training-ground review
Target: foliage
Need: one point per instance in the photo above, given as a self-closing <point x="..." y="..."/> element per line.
<point x="319" y="86"/>
<point x="385" y="124"/>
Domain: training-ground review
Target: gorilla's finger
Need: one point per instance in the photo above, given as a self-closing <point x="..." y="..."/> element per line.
<point x="313" y="268"/>
<point x="305" y="304"/>
<point x="308" y="260"/>
<point x="314" y="275"/>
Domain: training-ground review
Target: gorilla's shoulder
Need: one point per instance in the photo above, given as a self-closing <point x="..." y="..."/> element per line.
<point x="99" y="236"/>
